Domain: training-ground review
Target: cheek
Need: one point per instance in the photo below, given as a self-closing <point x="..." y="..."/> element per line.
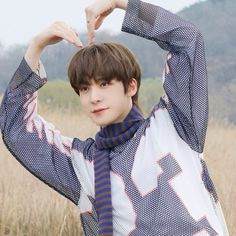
<point x="83" y="102"/>
<point x="83" y="98"/>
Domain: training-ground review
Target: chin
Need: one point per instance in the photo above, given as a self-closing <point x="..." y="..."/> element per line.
<point x="101" y="123"/>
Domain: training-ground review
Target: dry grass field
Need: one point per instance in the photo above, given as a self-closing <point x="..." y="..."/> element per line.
<point x="30" y="208"/>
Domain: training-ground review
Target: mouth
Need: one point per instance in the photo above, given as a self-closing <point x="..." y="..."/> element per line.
<point x="100" y="110"/>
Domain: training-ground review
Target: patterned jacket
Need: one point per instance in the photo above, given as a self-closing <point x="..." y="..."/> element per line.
<point x="160" y="183"/>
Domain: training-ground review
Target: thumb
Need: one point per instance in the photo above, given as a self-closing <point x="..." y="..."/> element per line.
<point x="98" y="22"/>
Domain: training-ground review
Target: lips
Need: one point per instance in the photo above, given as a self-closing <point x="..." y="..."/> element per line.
<point x="99" y="110"/>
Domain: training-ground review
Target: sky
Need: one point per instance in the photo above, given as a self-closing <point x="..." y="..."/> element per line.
<point x="21" y="20"/>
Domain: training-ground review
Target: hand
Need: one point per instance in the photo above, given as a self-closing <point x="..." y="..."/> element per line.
<point x="56" y="33"/>
<point x="97" y="12"/>
<point x="52" y="35"/>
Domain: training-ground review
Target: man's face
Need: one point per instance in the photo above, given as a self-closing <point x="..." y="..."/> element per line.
<point x="106" y="102"/>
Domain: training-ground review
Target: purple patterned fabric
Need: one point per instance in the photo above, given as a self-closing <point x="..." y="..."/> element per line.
<point x="159" y="182"/>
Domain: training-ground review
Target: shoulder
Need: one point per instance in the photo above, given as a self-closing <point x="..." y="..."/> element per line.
<point x="84" y="147"/>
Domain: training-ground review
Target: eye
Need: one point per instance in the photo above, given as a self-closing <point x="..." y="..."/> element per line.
<point x="104" y="84"/>
<point x="83" y="89"/>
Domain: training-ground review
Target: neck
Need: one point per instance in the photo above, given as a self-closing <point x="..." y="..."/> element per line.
<point x="122" y="116"/>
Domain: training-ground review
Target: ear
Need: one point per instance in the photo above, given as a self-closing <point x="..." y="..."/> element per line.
<point x="132" y="88"/>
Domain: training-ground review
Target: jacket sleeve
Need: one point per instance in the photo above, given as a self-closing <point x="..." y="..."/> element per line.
<point x="35" y="143"/>
<point x="184" y="76"/>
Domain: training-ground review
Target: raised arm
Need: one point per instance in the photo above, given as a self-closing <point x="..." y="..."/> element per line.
<point x="35" y="143"/>
<point x="51" y="35"/>
<point x="185" y="77"/>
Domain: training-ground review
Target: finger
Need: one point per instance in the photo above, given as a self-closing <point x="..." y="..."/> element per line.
<point x="77" y="41"/>
<point x="90" y="20"/>
<point x="91" y="31"/>
<point x="98" y="22"/>
<point x="65" y="32"/>
<point x="72" y="38"/>
<point x="69" y="34"/>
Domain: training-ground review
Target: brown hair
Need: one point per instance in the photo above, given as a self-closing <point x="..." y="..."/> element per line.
<point x="104" y="61"/>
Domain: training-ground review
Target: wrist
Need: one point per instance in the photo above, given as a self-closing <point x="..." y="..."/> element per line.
<point x="33" y="54"/>
<point x="36" y="45"/>
<point x="122" y="4"/>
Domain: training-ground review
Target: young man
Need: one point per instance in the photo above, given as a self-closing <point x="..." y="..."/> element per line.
<point x="139" y="176"/>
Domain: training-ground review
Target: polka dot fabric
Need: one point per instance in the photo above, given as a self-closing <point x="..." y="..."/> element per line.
<point x="161" y="211"/>
<point x="36" y="144"/>
<point x="159" y="181"/>
<point x="185" y="83"/>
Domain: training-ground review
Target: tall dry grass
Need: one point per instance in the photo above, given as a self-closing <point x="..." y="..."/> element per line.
<point x="30" y="208"/>
<point x="220" y="154"/>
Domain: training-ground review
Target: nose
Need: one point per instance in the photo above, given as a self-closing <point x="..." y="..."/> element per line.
<point x="95" y="94"/>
